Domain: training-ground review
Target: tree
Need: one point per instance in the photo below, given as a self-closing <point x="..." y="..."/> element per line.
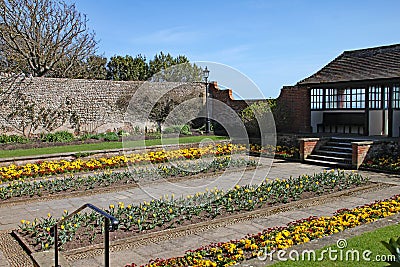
<point x="127" y="68"/>
<point x="166" y="68"/>
<point x="162" y="62"/>
<point x="93" y="67"/>
<point x="36" y="35"/>
<point x="258" y="117"/>
<point x="161" y="110"/>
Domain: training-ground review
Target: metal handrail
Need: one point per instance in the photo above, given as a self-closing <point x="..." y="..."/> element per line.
<point x="107" y="227"/>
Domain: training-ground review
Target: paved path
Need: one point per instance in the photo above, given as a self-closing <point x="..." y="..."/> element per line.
<point x="11" y="216"/>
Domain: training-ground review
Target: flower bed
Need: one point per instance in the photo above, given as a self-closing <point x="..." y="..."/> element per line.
<point x="43" y="168"/>
<point x="386" y="163"/>
<point x="27" y="189"/>
<point x="278" y="238"/>
<point x="170" y="212"/>
<point x="278" y="151"/>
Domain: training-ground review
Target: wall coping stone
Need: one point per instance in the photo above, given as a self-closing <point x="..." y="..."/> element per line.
<point x="363" y="143"/>
<point x="309" y="139"/>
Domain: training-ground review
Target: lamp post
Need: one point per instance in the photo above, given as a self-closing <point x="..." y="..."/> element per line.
<point x="206" y="74"/>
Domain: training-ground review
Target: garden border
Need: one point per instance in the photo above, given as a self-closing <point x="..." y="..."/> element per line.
<point x="117" y="151"/>
<point x="319" y="243"/>
<point x="143" y="239"/>
<point x="112" y="189"/>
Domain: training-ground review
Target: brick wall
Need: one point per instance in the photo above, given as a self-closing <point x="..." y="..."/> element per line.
<point x="359" y="152"/>
<point x="307" y="146"/>
<point x="296" y="104"/>
<point x="226" y="97"/>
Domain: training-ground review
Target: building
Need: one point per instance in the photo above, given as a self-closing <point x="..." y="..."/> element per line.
<point x="357" y="93"/>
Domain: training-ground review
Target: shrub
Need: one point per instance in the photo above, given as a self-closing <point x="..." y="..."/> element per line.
<point x="182" y="129"/>
<point x="110" y="136"/>
<point x="185" y="130"/>
<point x="123" y="133"/>
<point x="172" y="129"/>
<point x="6" y="139"/>
<point x="61" y="136"/>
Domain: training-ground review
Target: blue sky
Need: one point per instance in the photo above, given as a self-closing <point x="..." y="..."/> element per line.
<point x="274" y="43"/>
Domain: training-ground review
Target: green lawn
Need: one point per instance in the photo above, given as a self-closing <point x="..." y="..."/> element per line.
<point x="367" y="241"/>
<point x="104" y="146"/>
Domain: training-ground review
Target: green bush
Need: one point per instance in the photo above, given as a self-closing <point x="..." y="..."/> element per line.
<point x="183" y="129"/>
<point x="155" y="135"/>
<point x="6" y="139"/>
<point x="61" y="136"/>
<point x="88" y="136"/>
<point x="172" y="129"/>
<point x="123" y="133"/>
<point x="110" y="136"/>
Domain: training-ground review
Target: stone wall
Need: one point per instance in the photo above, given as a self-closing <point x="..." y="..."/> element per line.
<point x="99" y="104"/>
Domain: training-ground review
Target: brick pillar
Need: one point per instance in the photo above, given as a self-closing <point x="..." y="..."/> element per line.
<point x="307" y="146"/>
<point x="360" y="150"/>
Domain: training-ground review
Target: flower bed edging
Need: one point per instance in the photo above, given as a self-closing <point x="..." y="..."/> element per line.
<point x="170" y="212"/>
<point x="134" y="242"/>
<point x="278" y="238"/>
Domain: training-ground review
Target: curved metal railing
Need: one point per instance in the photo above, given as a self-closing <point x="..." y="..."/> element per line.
<point x="107" y="228"/>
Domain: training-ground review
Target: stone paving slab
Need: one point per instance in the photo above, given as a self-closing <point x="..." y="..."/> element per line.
<point x="11" y="216"/>
<point x="3" y="261"/>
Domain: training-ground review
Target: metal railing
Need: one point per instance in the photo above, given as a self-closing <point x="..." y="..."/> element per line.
<point x="107" y="228"/>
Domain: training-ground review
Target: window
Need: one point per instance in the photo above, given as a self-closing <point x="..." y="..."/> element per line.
<point x="396" y="96"/>
<point x="317" y="98"/>
<point x="375" y="97"/>
<point x="351" y="98"/>
<point x="331" y="99"/>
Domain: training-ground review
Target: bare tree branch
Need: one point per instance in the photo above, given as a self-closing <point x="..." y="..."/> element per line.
<point x="36" y="35"/>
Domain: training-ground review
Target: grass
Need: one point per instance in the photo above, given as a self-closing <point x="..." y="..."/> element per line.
<point x="367" y="241"/>
<point x="104" y="146"/>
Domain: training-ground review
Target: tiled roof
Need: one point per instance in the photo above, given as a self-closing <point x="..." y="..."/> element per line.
<point x="365" y="64"/>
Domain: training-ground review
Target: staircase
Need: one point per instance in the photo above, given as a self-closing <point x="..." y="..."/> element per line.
<point x="335" y="152"/>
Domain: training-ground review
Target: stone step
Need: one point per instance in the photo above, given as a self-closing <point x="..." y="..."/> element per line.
<point x="330" y="158"/>
<point x="339" y="144"/>
<point x="336" y="148"/>
<point x="332" y="164"/>
<point x="347" y="139"/>
<point x="333" y="153"/>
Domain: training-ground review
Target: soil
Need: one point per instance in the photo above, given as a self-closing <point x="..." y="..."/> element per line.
<point x="85" y="237"/>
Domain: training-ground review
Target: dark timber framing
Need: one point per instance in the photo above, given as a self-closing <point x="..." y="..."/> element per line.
<point x="377" y="68"/>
